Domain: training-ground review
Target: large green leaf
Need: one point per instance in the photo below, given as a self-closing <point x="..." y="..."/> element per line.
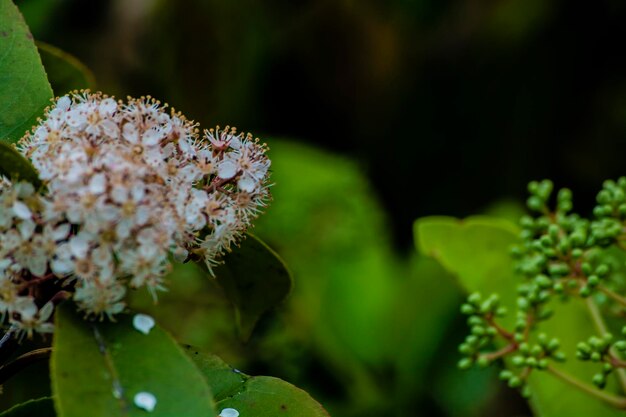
<point x="65" y="71"/>
<point x="223" y="379"/>
<point x="255" y="280"/>
<point x="98" y="368"/>
<point x="477" y="251"/>
<point x="15" y="166"/>
<point x="42" y="407"/>
<point x="258" y="396"/>
<point x="24" y="88"/>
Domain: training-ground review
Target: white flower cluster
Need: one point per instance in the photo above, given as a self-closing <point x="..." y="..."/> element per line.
<point x="127" y="184"/>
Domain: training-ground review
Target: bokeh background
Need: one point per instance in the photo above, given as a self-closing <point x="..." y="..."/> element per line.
<point x="377" y="113"/>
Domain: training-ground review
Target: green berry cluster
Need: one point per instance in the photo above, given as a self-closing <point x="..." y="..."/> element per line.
<point x="561" y="256"/>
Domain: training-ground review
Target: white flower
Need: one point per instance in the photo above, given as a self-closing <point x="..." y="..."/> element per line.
<point x="129" y="186"/>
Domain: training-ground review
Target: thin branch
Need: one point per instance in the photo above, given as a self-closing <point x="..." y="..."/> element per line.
<point x="501" y="331"/>
<point x="616" y="401"/>
<point x="491" y="356"/>
<point x="21" y="362"/>
<point x="602" y="329"/>
<point x="612" y="295"/>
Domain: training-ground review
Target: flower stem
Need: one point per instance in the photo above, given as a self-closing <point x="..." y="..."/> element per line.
<point x="596" y="315"/>
<point x="21" y="362"/>
<point x="616" y="401"/>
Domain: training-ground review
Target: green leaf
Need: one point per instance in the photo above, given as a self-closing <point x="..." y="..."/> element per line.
<point x="15" y="166"/>
<point x="223" y="379"/>
<point x="259" y="396"/>
<point x="98" y="368"/>
<point x="255" y="280"/>
<point x="477" y="251"/>
<point x="42" y="407"/>
<point x="24" y="88"/>
<point x="264" y="396"/>
<point x="65" y="71"/>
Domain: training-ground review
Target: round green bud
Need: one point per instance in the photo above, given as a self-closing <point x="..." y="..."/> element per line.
<point x="560" y="268"/>
<point x="465" y="363"/>
<point x="598" y="211"/>
<point x="543" y="281"/>
<point x="523" y="304"/>
<point x="545" y="189"/>
<point x="482" y="361"/>
<point x="564" y="245"/>
<point x="599" y="380"/>
<point x="467" y="309"/>
<point x="595" y="356"/>
<point x="593" y="280"/>
<point x="545" y="314"/>
<point x="542" y="364"/>
<point x="546" y="241"/>
<point x="565" y="206"/>
<point x="607" y="368"/>
<point x="527" y="222"/>
<point x="602" y="270"/>
<point x="474" y="298"/>
<point x="559" y="356"/>
<point x="558" y="287"/>
<point x="583" y="347"/>
<point x="525" y="393"/>
<point x="505" y="375"/>
<point x="553" y="232"/>
<point x="532" y="362"/>
<point x="565" y="194"/>
<point x="536" y="350"/>
<point x="474" y="321"/>
<point x="501" y="311"/>
<point x="518" y="337"/>
<point x="472" y="340"/>
<point x="534" y="203"/>
<point x="553" y="345"/>
<point x="465" y="349"/>
<point x="515" y="382"/>
<point x="596" y="342"/>
<point x="533" y="187"/>
<point x="621" y="345"/>
<point x="586" y="268"/>
<point x="577" y="252"/>
<point x="585" y="291"/>
<point x="603" y="197"/>
<point x="518" y="361"/>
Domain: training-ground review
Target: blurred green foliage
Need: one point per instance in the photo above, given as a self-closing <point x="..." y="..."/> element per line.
<point x="447" y="106"/>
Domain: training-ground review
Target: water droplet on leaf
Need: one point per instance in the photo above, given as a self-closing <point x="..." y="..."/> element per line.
<point x="143" y="323"/>
<point x="145" y="400"/>
<point x="229" y="412"/>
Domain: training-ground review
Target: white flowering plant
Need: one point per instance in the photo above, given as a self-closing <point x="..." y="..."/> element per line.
<point x="99" y="197"/>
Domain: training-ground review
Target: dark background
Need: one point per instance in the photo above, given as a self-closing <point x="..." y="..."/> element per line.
<point x="448" y="105"/>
